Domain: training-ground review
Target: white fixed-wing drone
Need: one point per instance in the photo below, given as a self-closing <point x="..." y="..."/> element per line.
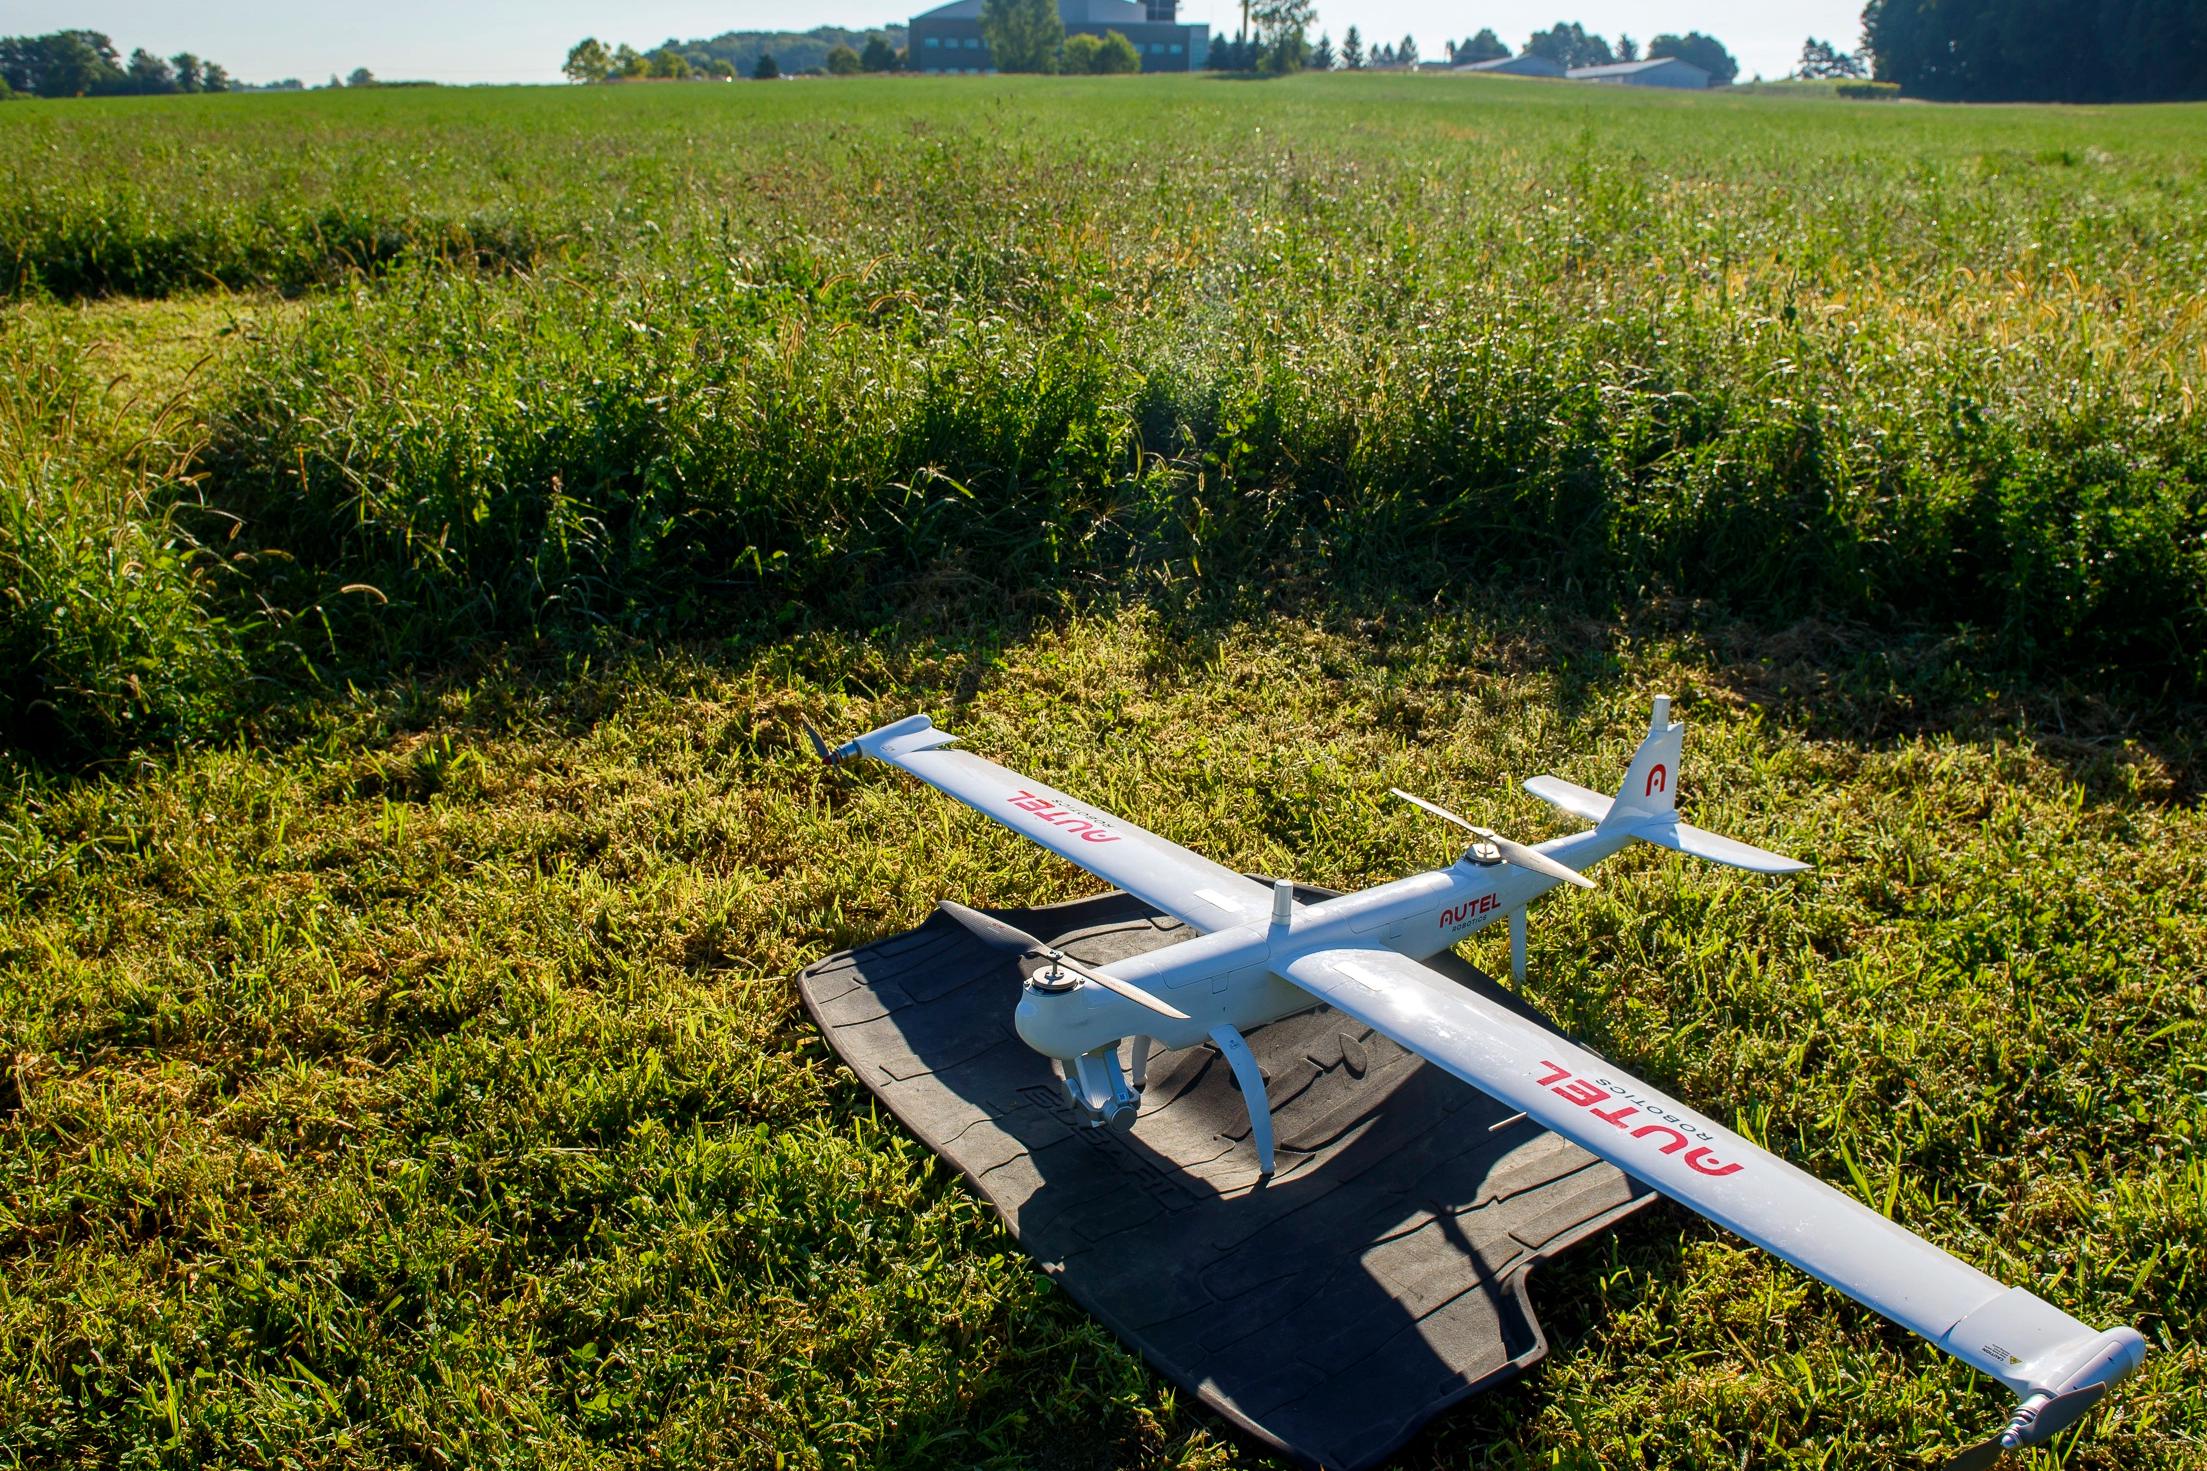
<point x="1262" y="956"/>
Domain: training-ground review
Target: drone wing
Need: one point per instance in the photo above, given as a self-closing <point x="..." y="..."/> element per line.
<point x="1205" y="895"/>
<point x="2027" y="1343"/>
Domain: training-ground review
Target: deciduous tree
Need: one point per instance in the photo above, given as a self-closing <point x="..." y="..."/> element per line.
<point x="1022" y="35"/>
<point x="589" y="61"/>
<point x="879" y="55"/>
<point x="1486" y="46"/>
<point x="1822" y="59"/>
<point x="843" y="62"/>
<point x="1569" y="44"/>
<point x="148" y="73"/>
<point x="767" y="70"/>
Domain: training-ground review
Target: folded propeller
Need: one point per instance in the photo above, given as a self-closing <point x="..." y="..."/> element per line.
<point x="1010" y="937"/>
<point x="1492" y="847"/>
<point x="2036" y="1421"/>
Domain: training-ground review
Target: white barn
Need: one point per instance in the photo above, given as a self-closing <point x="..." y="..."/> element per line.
<point x="1660" y="71"/>
<point x="1515" y="66"/>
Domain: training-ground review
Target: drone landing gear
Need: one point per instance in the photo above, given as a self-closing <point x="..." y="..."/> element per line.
<point x="1250" y="1078"/>
<point x="1517" y="946"/>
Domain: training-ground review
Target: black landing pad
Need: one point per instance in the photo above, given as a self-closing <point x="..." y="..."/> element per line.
<point x="1376" y="1280"/>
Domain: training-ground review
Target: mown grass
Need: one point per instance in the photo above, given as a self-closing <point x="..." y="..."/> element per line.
<point x="432" y="1091"/>
<point x="405" y="842"/>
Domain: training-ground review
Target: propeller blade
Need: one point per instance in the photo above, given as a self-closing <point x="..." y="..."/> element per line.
<point x="826" y="752"/>
<point x="1535" y="860"/>
<point x="2037" y="1420"/>
<point x="1132" y="992"/>
<point x="989" y="928"/>
<point x="1517" y="853"/>
<point x="1010" y="937"/>
<point x="1433" y="807"/>
<point x="1978" y="1457"/>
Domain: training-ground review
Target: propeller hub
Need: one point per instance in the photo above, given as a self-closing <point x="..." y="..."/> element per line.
<point x="1051" y="979"/>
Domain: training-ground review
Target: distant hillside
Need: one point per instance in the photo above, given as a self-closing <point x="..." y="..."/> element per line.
<point x="794" y="51"/>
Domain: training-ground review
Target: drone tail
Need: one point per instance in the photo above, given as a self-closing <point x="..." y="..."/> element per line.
<point x="1646" y="805"/>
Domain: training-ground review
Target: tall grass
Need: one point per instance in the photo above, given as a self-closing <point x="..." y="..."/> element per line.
<point x="793" y="352"/>
<point x="108" y="636"/>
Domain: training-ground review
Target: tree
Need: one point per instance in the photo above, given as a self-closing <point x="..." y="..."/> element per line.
<point x="361" y="77"/>
<point x="1281" y="27"/>
<point x="214" y="77"/>
<point x="589" y="61"/>
<point x="1627" y="49"/>
<point x="629" y="62"/>
<point x="843" y="62"/>
<point x="191" y="72"/>
<point x="1321" y="55"/>
<point x="148" y="74"/>
<point x="879" y="56"/>
<point x="1116" y="56"/>
<point x="1080" y="55"/>
<point x="1486" y="46"/>
<point x="2110" y="51"/>
<point x="767" y="70"/>
<point x="1706" y="52"/>
<point x="1569" y="45"/>
<point x="1407" y="53"/>
<point x="63" y="64"/>
<point x="1821" y="59"/>
<point x="1352" y="50"/>
<point x="1022" y="35"/>
<point x="1216" y="58"/>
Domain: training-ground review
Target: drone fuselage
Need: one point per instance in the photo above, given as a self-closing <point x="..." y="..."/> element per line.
<point x="1229" y="977"/>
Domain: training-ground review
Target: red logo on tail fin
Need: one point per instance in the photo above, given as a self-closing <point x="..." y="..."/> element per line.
<point x="1659" y="780"/>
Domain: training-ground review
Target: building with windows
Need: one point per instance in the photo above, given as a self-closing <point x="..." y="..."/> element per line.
<point x="948" y="38"/>
<point x="1661" y="71"/>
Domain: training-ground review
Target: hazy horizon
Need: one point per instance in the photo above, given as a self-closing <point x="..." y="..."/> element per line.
<point x="507" y="41"/>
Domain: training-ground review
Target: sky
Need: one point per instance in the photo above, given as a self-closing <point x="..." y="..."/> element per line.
<point x="525" y="40"/>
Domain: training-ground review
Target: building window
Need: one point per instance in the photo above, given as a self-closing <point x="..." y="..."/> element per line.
<point x="1176" y="48"/>
<point x="973" y="43"/>
<point x="930" y="41"/>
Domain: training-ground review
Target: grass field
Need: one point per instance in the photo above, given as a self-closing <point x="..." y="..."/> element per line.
<point x="426" y="513"/>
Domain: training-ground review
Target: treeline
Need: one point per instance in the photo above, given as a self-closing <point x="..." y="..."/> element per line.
<point x="2051" y="51"/>
<point x="86" y="64"/>
<point x="1279" y="44"/>
<point x="826" y="50"/>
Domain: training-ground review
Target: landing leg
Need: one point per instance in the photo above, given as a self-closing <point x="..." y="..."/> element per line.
<point x="1251" y="1079"/>
<point x="1517" y="946"/>
<point x="1138" y="1068"/>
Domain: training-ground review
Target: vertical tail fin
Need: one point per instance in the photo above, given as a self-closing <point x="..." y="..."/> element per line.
<point x="1650" y="788"/>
